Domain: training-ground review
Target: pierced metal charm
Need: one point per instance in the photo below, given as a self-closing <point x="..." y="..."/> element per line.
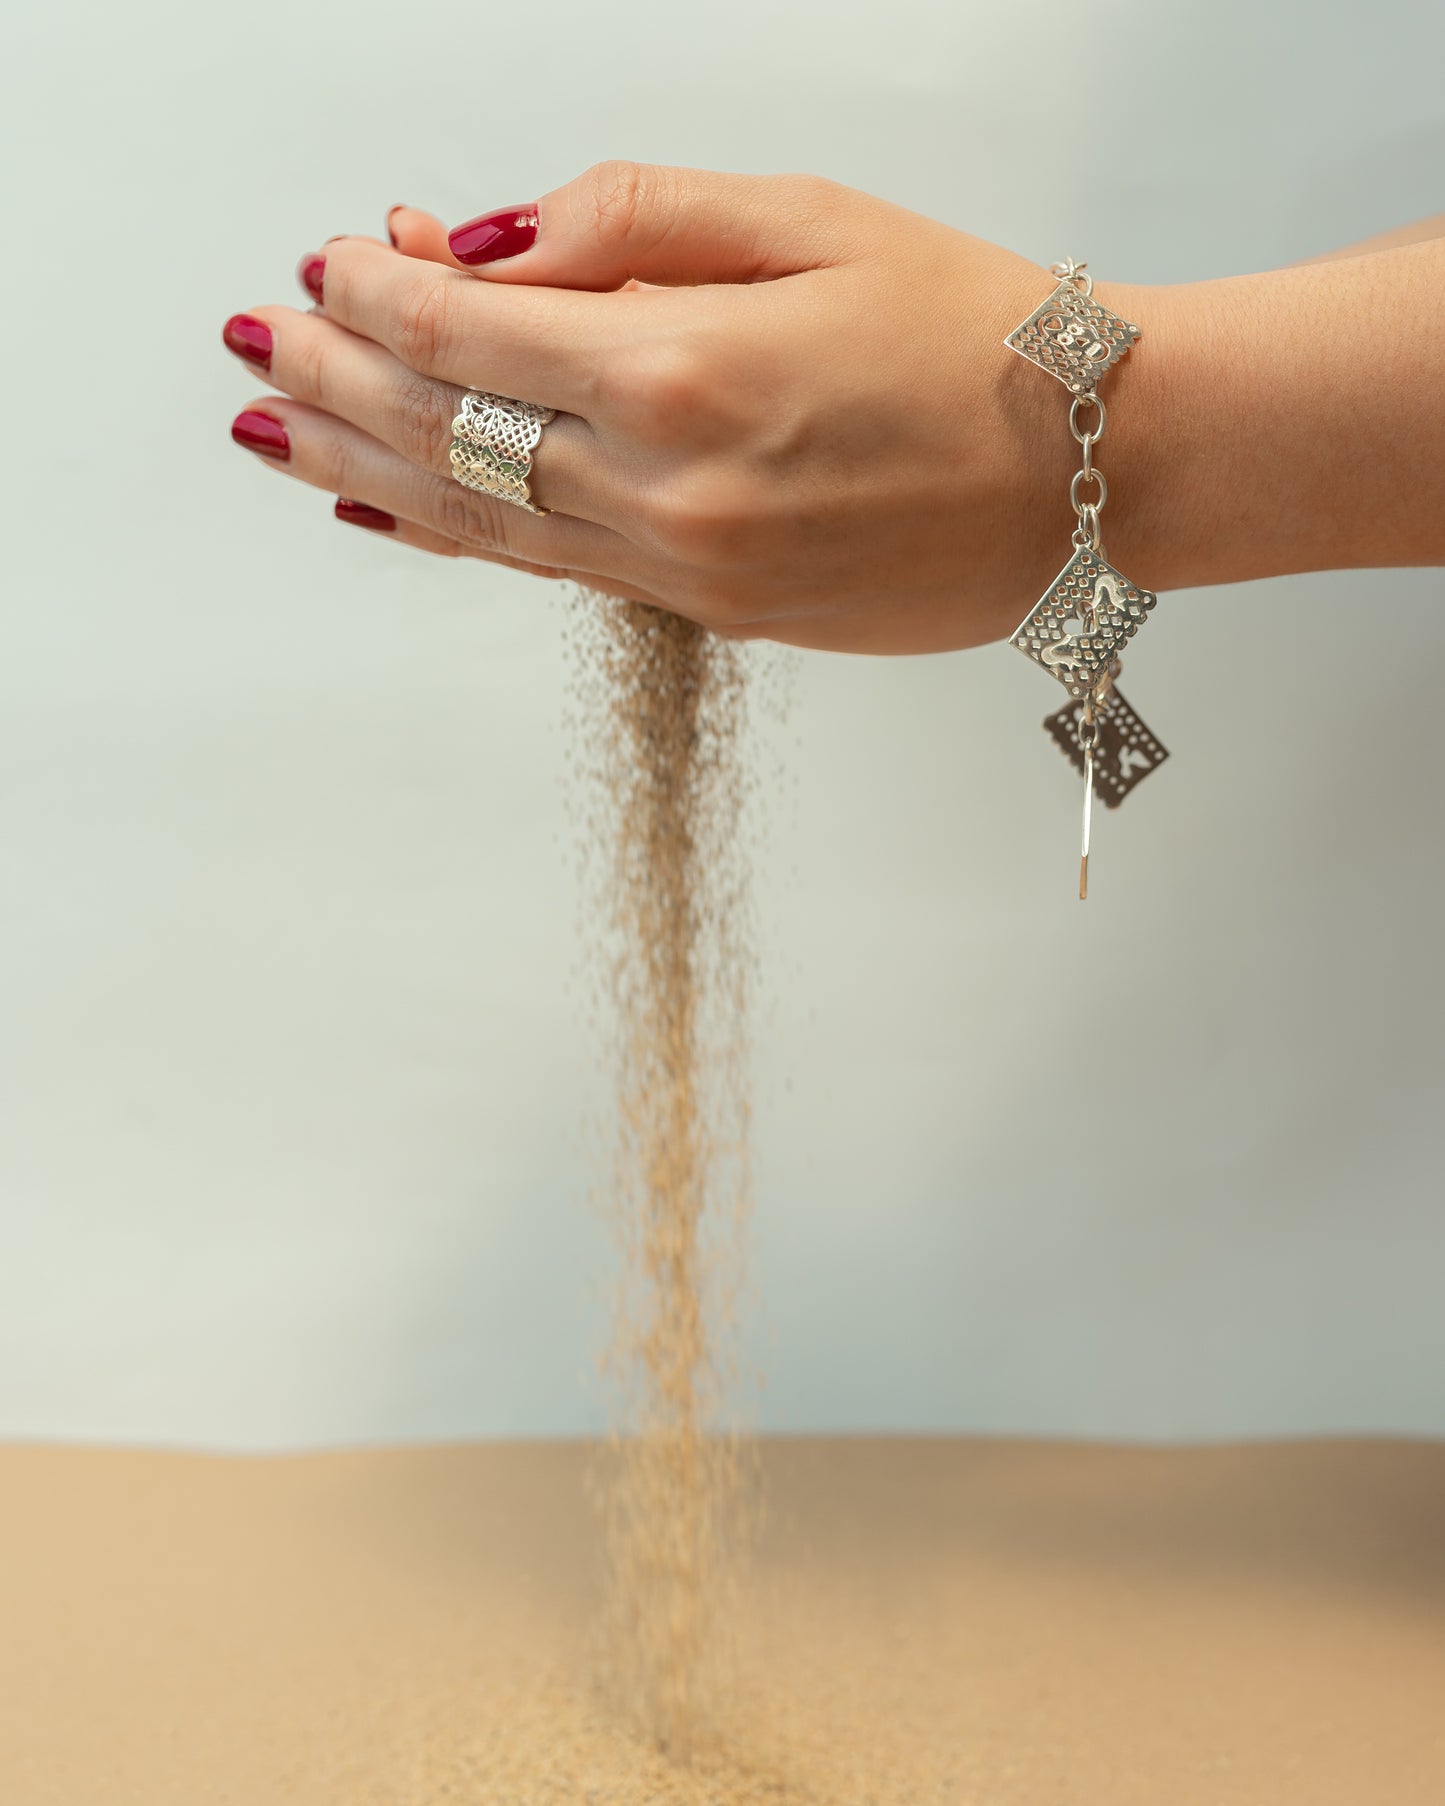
<point x="1124" y="754"/>
<point x="1078" y="626"/>
<point x="1072" y="336"/>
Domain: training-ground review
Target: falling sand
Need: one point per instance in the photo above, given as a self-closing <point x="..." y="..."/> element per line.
<point x="919" y="1622"/>
<point x="659" y="739"/>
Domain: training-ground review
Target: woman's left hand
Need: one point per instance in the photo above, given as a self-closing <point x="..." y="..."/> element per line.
<point x="784" y="407"/>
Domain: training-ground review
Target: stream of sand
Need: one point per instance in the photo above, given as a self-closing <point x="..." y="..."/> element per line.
<point x="917" y="1623"/>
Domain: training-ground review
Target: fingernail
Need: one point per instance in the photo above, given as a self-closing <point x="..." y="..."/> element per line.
<point x="494" y="235"/>
<point x="248" y="338"/>
<point x="361" y="516"/>
<point x="260" y="433"/>
<point x="389" y="213"/>
<point x="309" y="272"/>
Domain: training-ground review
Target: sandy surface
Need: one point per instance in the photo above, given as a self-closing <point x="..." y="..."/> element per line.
<point x="929" y="1621"/>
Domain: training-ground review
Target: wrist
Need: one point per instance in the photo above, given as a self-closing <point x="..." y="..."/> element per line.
<point x="1162" y="436"/>
<point x="1164" y="446"/>
<point x="1262" y="428"/>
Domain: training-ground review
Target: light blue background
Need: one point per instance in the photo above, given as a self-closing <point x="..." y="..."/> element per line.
<point x="294" y="1062"/>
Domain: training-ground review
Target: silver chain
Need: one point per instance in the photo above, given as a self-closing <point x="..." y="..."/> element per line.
<point x="1087" y="533"/>
<point x="1078" y="627"/>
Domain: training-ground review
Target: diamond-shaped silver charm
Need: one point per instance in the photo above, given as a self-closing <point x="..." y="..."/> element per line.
<point x="1073" y="337"/>
<point x="1126" y="753"/>
<point x="1076" y="629"/>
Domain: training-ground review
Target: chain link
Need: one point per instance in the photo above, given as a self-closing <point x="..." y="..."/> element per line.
<point x="1087" y="532"/>
<point x="1090" y="399"/>
<point x="1076" y="504"/>
<point x="1088" y="437"/>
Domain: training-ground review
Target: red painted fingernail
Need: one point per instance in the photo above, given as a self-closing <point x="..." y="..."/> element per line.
<point x="390" y="212"/>
<point x="248" y="338"/>
<point x="259" y="432"/>
<point x="360" y="515"/>
<point x="494" y="235"/>
<point x="309" y="272"/>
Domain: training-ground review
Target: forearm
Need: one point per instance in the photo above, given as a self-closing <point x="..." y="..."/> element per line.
<point x="1434" y="227"/>
<point x="1281" y="422"/>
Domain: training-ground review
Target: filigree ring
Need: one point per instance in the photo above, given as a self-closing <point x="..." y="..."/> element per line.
<point x="493" y="439"/>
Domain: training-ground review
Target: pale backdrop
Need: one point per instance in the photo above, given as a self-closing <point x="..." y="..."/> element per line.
<point x="293" y="1059"/>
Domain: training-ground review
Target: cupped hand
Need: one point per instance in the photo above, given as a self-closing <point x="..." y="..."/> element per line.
<point x="785" y="408"/>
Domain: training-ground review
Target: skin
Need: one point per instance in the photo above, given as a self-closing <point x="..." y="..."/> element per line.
<point x="786" y="411"/>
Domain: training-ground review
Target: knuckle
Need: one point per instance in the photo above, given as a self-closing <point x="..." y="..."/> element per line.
<point x="666" y="392"/>
<point x="815" y="194"/>
<point x="469" y="519"/>
<point x="425" y="412"/>
<point x="618" y="192"/>
<point x="636" y="204"/>
<point x="345" y="475"/>
<point x="705" y="519"/>
<point x="309" y="367"/>
<point x="425" y="321"/>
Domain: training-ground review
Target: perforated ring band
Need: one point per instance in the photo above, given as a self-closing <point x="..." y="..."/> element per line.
<point x="493" y="439"/>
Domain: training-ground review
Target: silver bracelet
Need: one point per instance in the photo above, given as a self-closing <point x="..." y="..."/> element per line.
<point x="1078" y="627"/>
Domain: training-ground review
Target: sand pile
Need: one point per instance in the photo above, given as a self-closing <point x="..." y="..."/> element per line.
<point x="923" y="1621"/>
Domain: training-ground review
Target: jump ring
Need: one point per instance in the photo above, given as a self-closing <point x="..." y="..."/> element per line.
<point x="1071" y="270"/>
<point x="1086" y="536"/>
<point x="1095" y="433"/>
<point x="1079" y="506"/>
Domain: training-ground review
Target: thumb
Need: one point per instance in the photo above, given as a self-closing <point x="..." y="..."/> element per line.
<point x="622" y="220"/>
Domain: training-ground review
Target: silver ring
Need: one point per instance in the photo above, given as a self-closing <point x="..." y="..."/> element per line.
<point x="493" y="439"/>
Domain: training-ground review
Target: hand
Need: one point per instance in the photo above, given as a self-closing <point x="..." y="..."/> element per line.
<point x="785" y="408"/>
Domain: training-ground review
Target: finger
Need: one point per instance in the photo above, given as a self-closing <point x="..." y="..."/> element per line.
<point x="332" y="454"/>
<point x="541" y="344"/>
<point x="403" y="532"/>
<point x="408" y="533"/>
<point x="665" y="225"/>
<point x="420" y="235"/>
<point x="313" y="359"/>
